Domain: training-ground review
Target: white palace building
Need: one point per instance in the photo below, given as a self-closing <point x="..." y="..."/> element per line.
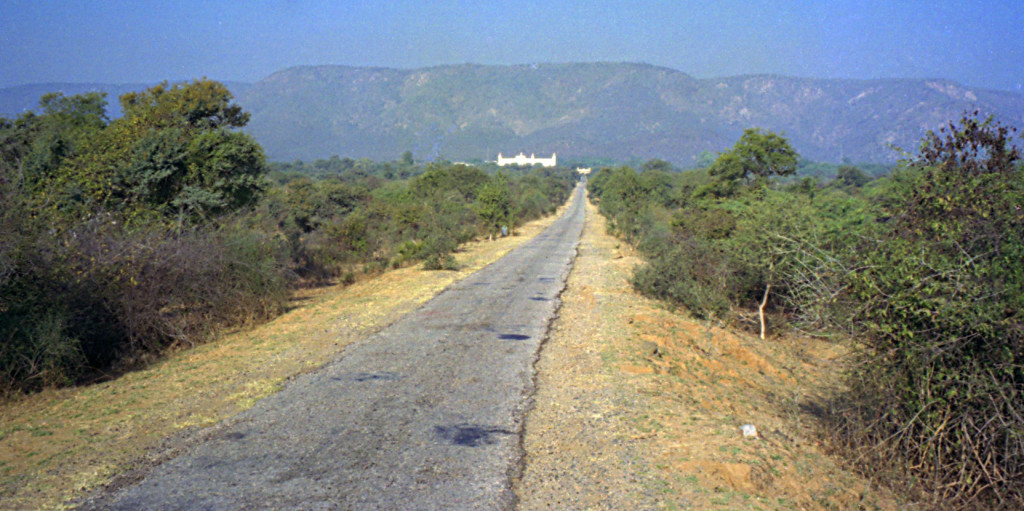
<point x="522" y="159"/>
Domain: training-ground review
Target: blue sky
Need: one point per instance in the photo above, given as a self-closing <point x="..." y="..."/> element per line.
<point x="977" y="43"/>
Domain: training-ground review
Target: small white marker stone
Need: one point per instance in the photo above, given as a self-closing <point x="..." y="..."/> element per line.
<point x="749" y="431"/>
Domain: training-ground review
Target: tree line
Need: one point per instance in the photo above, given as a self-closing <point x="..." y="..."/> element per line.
<point x="121" y="238"/>
<point x="924" y="268"/>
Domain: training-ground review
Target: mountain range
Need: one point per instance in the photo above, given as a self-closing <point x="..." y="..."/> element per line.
<point x="620" y="111"/>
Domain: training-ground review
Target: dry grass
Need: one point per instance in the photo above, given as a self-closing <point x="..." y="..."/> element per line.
<point x="57" y="444"/>
<point x="640" y="407"/>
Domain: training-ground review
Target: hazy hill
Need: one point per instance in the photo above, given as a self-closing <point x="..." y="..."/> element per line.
<point x="616" y="110"/>
<point x="612" y="110"/>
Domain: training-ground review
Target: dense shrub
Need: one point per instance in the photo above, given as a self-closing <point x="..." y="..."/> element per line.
<point x="924" y="268"/>
<point x="115" y="237"/>
<point x="119" y="239"/>
<point x="101" y="293"/>
<point x="436" y="262"/>
<point x="690" y="273"/>
<point x="939" y="389"/>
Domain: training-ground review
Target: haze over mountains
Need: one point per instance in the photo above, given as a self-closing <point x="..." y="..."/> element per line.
<point x="612" y="110"/>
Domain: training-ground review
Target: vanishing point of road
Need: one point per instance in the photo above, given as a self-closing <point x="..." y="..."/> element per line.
<point x="426" y="414"/>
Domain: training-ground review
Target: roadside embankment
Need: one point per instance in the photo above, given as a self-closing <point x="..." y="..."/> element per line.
<point x="638" y="407"/>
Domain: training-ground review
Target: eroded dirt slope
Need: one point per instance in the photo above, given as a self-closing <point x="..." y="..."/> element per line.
<point x="638" y="407"/>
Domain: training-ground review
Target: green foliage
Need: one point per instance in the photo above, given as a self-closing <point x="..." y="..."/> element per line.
<point x="940" y="300"/>
<point x="120" y="239"/>
<point x="406" y="159"/>
<point x="436" y="262"/>
<point x="852" y="176"/>
<point x="757" y="157"/>
<point x="172" y="154"/>
<point x="201" y="105"/>
<point x="687" y="273"/>
<point x="225" y="173"/>
<point x="183" y="159"/>
<point x="345" y="169"/>
<point x="623" y="193"/>
<point x="494" y="205"/>
<point x="114" y="240"/>
<point x="717" y="256"/>
<point x="346" y="220"/>
<point x="705" y="159"/>
<point x="463" y="179"/>
<point x="826" y="172"/>
<point x="35" y="147"/>
<point x="925" y="267"/>
<point x="656" y="164"/>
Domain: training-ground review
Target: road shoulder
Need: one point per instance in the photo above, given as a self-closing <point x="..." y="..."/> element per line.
<point x="61" y="444"/>
<point x="637" y="407"/>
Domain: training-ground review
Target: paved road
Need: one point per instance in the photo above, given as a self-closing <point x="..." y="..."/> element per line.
<point x="427" y="414"/>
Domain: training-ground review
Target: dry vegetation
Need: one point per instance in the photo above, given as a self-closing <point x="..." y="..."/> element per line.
<point x="60" y="443"/>
<point x="639" y="407"/>
<point x="922" y="267"/>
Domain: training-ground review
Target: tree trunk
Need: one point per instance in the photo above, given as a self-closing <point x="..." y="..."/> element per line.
<point x="760" y="310"/>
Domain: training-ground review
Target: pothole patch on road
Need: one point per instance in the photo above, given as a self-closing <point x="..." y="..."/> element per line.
<point x="470" y="435"/>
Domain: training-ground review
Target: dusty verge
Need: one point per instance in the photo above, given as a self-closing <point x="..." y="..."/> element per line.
<point x="59" y="444"/>
<point x="637" y="407"/>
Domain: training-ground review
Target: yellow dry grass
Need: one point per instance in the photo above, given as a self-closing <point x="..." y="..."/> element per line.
<point x="57" y="444"/>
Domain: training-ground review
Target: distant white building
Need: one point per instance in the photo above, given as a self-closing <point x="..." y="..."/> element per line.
<point x="583" y="171"/>
<point x="522" y="159"/>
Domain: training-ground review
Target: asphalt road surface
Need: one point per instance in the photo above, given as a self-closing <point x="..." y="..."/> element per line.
<point x="426" y="414"/>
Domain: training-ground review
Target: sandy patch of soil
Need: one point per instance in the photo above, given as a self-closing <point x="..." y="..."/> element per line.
<point x="59" y="444"/>
<point x="638" y="407"/>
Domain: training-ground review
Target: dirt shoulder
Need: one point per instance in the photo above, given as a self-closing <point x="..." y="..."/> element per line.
<point x="638" y="407"/>
<point x="58" y="445"/>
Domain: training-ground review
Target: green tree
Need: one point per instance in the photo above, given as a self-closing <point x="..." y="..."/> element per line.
<point x="494" y="205"/>
<point x="753" y="161"/>
<point x="157" y="167"/>
<point x="175" y="152"/>
<point x="201" y="104"/>
<point x="58" y="133"/>
<point x="657" y="186"/>
<point x="225" y="172"/>
<point x="851" y="176"/>
<point x="407" y="159"/>
<point x="443" y="178"/>
<point x="656" y="164"/>
<point x="705" y="159"/>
